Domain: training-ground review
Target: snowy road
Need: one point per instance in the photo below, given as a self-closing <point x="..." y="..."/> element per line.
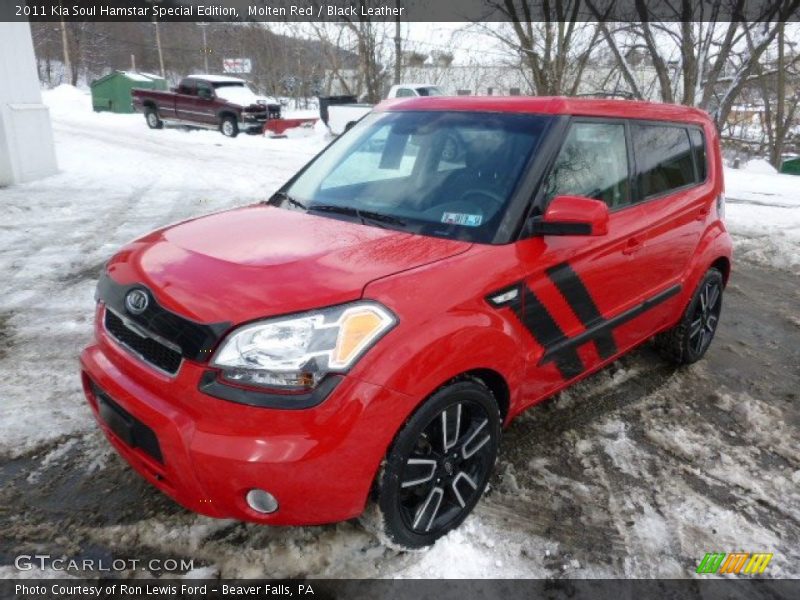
<point x="639" y="471"/>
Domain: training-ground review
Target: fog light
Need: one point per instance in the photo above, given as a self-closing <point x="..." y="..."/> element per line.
<point x="261" y="501"/>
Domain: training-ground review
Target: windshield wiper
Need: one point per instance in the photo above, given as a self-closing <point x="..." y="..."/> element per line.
<point x="284" y="197"/>
<point x="382" y="218"/>
<point x="364" y="215"/>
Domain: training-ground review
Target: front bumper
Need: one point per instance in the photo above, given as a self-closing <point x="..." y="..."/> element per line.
<point x="252" y="123"/>
<point x="318" y="462"/>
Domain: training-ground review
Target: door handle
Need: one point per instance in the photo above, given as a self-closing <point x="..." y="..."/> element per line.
<point x="632" y="246"/>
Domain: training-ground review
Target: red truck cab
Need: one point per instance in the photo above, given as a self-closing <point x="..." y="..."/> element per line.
<point x="207" y="101"/>
<point x="354" y="346"/>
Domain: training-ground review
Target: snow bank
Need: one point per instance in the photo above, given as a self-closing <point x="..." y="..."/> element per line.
<point x="760" y="165"/>
<point x="763" y="214"/>
<point x="66" y="99"/>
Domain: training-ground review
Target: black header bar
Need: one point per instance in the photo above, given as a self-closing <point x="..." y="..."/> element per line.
<point x="406" y="10"/>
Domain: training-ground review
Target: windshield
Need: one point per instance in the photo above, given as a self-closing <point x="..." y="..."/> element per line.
<point x="446" y="174"/>
<point x="237" y="93"/>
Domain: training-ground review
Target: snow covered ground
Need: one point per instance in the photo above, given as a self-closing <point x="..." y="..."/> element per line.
<point x="637" y="472"/>
<point x="763" y="211"/>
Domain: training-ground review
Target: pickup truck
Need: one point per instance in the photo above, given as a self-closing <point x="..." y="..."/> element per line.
<point x="207" y="101"/>
<point x="340" y="117"/>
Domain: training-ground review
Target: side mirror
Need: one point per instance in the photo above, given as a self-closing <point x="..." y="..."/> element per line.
<point x="204" y="94"/>
<point x="572" y="215"/>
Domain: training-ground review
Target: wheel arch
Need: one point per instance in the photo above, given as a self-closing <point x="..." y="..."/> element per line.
<point x="227" y="112"/>
<point x="715" y="250"/>
<point x="496" y="383"/>
<point x="492" y="379"/>
<point x="723" y="264"/>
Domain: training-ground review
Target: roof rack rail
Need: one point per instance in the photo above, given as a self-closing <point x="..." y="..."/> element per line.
<point x="625" y="95"/>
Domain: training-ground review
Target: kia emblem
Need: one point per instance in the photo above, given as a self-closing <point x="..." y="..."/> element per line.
<point x="136" y="301"/>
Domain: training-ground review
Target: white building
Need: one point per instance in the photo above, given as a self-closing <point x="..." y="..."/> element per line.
<point x="26" y="137"/>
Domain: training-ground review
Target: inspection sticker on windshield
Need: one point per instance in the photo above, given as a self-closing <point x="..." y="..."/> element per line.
<point x="462" y="219"/>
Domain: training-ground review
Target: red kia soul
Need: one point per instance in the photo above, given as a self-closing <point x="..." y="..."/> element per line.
<point x="356" y="344"/>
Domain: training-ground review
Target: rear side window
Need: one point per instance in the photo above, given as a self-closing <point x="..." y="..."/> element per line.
<point x="404" y="93"/>
<point x="699" y="149"/>
<point x="593" y="162"/>
<point x="663" y="158"/>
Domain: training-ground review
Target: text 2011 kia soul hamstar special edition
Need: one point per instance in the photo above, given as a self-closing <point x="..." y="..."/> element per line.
<point x="355" y="344"/>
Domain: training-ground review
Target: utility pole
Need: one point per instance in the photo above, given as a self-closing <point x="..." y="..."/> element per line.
<point x="203" y="26"/>
<point x="398" y="50"/>
<point x="158" y="42"/>
<point x="65" y="46"/>
<point x="160" y="53"/>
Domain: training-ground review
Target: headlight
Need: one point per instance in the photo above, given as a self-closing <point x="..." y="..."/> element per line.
<point x="296" y="352"/>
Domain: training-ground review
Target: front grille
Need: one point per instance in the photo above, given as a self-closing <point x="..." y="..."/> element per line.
<point x="149" y="350"/>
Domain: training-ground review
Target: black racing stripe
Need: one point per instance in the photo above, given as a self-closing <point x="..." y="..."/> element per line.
<point x="582" y="304"/>
<point x="544" y="329"/>
<point x="568" y="346"/>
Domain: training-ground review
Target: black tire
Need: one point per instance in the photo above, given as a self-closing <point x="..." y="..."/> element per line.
<point x="229" y="127"/>
<point x="413" y="505"/>
<point x="152" y="118"/>
<point x="690" y="339"/>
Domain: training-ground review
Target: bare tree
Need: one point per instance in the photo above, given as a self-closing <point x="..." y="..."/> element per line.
<point x="66" y="53"/>
<point x="369" y="40"/>
<point x="370" y="37"/>
<point x="553" y="53"/>
<point x="398" y="48"/>
<point x="336" y="45"/>
<point x="780" y="101"/>
<point x="704" y="56"/>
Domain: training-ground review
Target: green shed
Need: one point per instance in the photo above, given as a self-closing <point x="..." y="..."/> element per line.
<point x="791" y="166"/>
<point x="112" y="92"/>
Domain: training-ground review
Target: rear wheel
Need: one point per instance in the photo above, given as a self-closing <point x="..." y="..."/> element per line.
<point x="153" y="121"/>
<point x="437" y="467"/>
<point x="229" y="127"/>
<point x="690" y="339"/>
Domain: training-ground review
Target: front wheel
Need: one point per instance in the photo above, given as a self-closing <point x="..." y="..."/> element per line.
<point x="437" y="467"/>
<point x="229" y="127"/>
<point x="689" y="340"/>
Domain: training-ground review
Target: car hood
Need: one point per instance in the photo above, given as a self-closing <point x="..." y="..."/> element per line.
<point x="261" y="261"/>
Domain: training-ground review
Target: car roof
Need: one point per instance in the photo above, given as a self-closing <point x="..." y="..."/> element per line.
<point x="217" y="78"/>
<point x="552" y="105"/>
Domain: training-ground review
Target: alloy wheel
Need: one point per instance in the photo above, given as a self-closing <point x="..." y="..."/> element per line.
<point x="446" y="469"/>
<point x="705" y="317"/>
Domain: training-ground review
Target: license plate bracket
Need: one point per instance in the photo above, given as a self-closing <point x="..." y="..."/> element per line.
<point x="126" y="427"/>
<point x="120" y="424"/>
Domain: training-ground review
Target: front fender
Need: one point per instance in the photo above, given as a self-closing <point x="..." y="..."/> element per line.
<point x="418" y="358"/>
